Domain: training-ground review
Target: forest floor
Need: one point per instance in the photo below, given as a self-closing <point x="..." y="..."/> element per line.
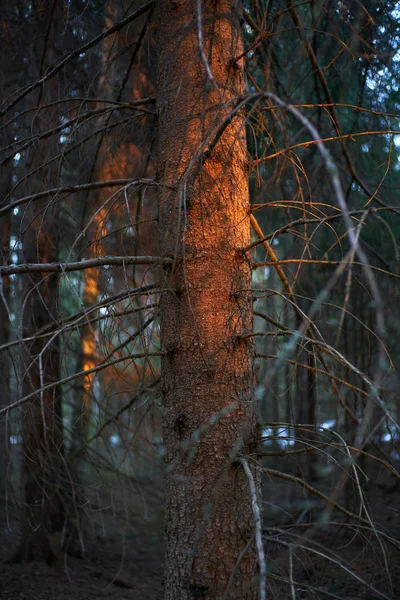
<point x="126" y="551"/>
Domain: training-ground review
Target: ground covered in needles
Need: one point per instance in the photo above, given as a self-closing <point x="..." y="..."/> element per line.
<point x="126" y="549"/>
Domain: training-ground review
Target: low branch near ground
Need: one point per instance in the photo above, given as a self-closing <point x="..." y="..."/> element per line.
<point x="329" y="557"/>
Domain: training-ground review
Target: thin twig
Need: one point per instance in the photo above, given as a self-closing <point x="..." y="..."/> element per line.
<point x="70" y="189"/>
<point x="55" y="384"/>
<point x="77" y="52"/>
<point x="262" y="589"/>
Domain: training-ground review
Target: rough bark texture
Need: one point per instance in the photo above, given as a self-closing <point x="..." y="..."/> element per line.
<point x="207" y="368"/>
<point x="42" y="421"/>
<point x="7" y="87"/>
<point x="4" y="336"/>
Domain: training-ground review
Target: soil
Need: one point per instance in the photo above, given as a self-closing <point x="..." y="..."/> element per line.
<point x="125" y="550"/>
<point x="125" y="561"/>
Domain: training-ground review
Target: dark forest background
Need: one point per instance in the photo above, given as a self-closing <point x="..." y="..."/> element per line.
<point x="80" y="401"/>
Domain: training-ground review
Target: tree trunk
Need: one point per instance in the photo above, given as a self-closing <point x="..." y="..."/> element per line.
<point x="5" y="371"/>
<point x="207" y="306"/>
<point x="43" y="462"/>
<point x="42" y="425"/>
<point x="6" y="184"/>
<point x="75" y="540"/>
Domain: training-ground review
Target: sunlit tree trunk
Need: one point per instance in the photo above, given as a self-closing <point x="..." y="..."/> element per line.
<point x="207" y="306"/>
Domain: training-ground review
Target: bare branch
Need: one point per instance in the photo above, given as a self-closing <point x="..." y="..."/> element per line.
<point x="70" y="189"/>
<point x="84" y="264"/>
<point x="51" y="386"/>
<point x="137" y="13"/>
<point x="262" y="586"/>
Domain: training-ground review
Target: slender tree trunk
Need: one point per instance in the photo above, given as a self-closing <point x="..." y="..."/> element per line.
<point x="75" y="539"/>
<point x="101" y="172"/>
<point x="43" y="462"/>
<point x="43" y="447"/>
<point x="6" y="183"/>
<point x="4" y="335"/>
<point x="207" y="367"/>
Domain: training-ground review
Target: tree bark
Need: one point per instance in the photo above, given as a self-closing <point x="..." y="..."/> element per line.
<point x="7" y="87"/>
<point x="5" y="229"/>
<point x="75" y="540"/>
<point x="43" y="462"/>
<point x="207" y="306"/>
<point x="42" y="428"/>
